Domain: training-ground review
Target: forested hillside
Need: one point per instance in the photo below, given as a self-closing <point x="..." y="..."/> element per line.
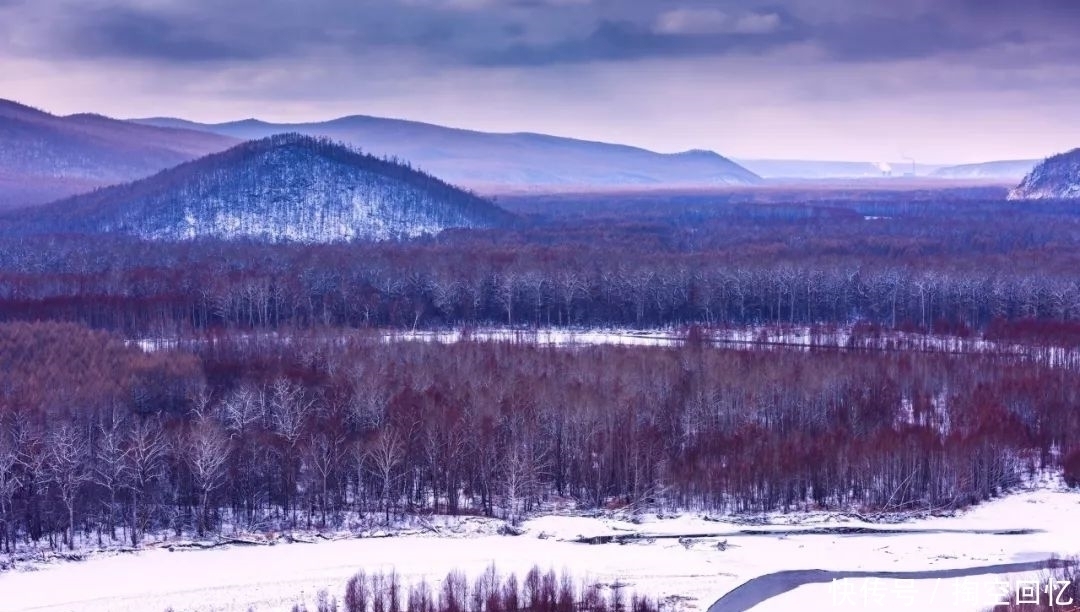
<point x="1057" y="177"/>
<point x="282" y="188"/>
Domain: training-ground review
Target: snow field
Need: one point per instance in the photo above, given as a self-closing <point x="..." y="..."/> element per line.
<point x="275" y="577"/>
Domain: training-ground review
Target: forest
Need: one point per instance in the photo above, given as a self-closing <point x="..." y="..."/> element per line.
<point x="271" y="400"/>
<point x="957" y="264"/>
<point x="103" y="442"/>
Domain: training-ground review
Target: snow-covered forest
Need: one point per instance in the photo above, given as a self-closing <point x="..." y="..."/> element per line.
<point x="936" y="263"/>
<point x="1057" y="177"/>
<point x="208" y="391"/>
<point x="105" y="443"/>
<point x="282" y="188"/>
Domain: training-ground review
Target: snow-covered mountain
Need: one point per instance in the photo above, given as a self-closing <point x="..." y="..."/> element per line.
<point x="1057" y="177"/>
<point x="495" y="162"/>
<point x="1008" y="170"/>
<point x="44" y="157"/>
<point x="285" y="187"/>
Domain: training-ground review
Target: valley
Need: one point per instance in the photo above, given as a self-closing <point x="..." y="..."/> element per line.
<point x="384" y="365"/>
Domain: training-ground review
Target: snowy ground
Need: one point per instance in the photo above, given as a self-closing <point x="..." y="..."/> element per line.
<point x="754" y="336"/>
<point x="780" y="337"/>
<point x="275" y="577"/>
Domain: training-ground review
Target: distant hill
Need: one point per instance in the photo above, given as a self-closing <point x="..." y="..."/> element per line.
<point x="494" y="162"/>
<point x="818" y="170"/>
<point x="1010" y="170"/>
<point x="44" y="157"/>
<point x="1057" y="177"/>
<point x="282" y="188"/>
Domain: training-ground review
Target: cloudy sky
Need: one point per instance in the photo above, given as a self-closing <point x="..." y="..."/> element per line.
<point x="937" y="80"/>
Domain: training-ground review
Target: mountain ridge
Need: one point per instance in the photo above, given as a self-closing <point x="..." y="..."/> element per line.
<point x="44" y="157"/>
<point x="803" y="169"/>
<point x="487" y="160"/>
<point x="1004" y="170"/>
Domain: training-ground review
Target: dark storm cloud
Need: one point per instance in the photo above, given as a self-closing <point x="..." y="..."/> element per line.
<point x="127" y="32"/>
<point x="543" y="32"/>
<point x="192" y="31"/>
<point x="624" y="40"/>
<point x="946" y="27"/>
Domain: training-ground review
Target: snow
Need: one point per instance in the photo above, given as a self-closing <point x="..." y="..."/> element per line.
<point x="755" y="336"/>
<point x="275" y="577"/>
<point x="885" y="595"/>
<point x="546" y="336"/>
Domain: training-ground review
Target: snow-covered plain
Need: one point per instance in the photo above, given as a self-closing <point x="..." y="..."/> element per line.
<point x="694" y="573"/>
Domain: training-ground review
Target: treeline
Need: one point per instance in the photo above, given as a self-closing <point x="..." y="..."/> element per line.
<point x="538" y="591"/>
<point x="904" y="261"/>
<point x="100" y="442"/>
<point x="922" y="260"/>
<point x="172" y="288"/>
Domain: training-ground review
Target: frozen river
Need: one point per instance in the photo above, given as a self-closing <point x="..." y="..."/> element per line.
<point x="1023" y="528"/>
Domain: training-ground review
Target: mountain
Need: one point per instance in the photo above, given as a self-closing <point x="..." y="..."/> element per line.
<point x="1011" y="170"/>
<point x="814" y="170"/>
<point x="1057" y="177"/>
<point x="283" y="188"/>
<point x="493" y="162"/>
<point x="44" y="157"/>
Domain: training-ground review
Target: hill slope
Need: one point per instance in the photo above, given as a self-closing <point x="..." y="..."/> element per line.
<point x="1009" y="170"/>
<point x="1057" y="177"/>
<point x="286" y="187"/>
<point x="44" y="157"/>
<point x="495" y="162"/>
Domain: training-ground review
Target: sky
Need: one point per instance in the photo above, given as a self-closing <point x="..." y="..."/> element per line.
<point x="940" y="81"/>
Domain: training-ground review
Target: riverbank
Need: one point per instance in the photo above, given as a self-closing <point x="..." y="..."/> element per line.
<point x="689" y="573"/>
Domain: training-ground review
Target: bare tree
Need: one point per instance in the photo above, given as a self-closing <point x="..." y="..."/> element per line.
<point x="521" y="476"/>
<point x="144" y="458"/>
<point x="206" y="450"/>
<point x="69" y="469"/>
<point x="569" y="286"/>
<point x="242" y="410"/>
<point x="324" y="454"/>
<point x="369" y="398"/>
<point x="290" y="411"/>
<point x="33" y="457"/>
<point x="384" y="454"/>
<point x="110" y="468"/>
<point x="10" y="482"/>
<point x="507" y="287"/>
